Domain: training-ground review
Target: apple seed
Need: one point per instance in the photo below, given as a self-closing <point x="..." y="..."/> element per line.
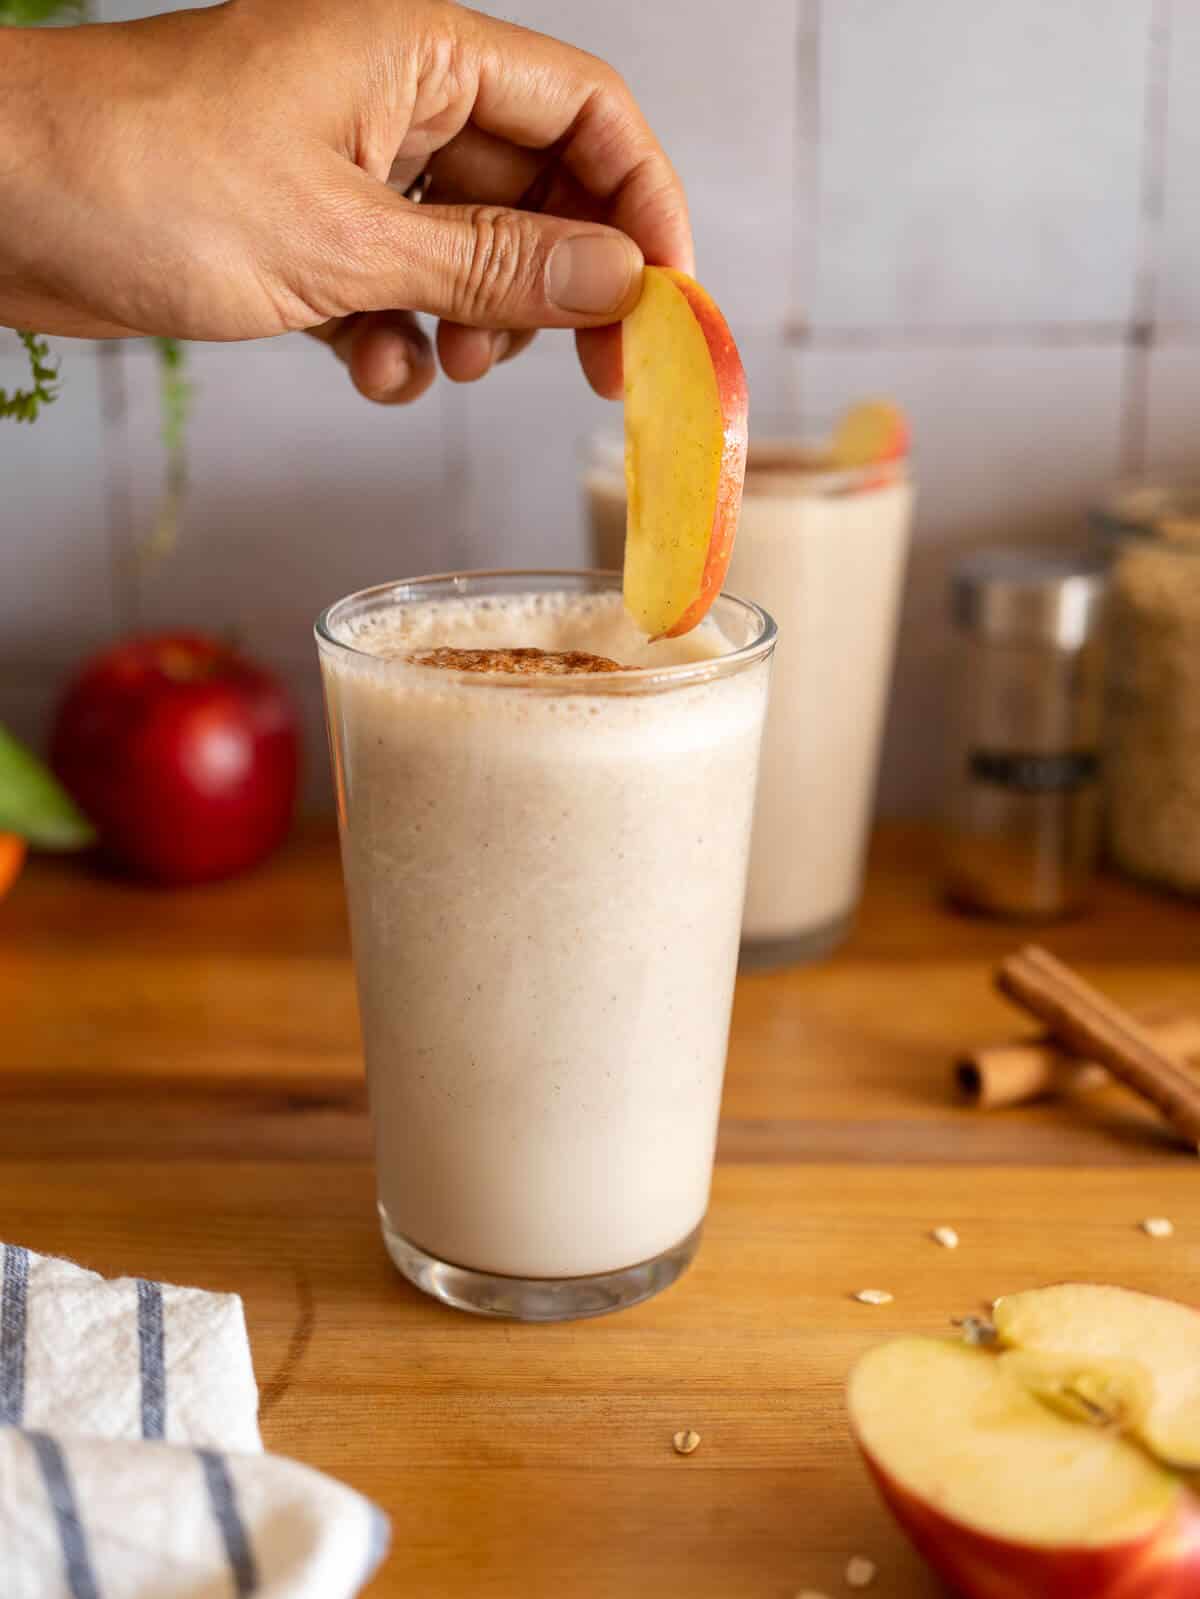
<point x="975" y="1329"/>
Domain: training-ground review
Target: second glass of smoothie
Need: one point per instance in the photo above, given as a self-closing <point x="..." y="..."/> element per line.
<point x="545" y="863"/>
<point x="824" y="551"/>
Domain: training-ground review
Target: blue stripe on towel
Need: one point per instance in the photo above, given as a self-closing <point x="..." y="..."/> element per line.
<point x="13" y="1296"/>
<point x="151" y="1353"/>
<point x="77" y="1564"/>
<point x="222" y="1496"/>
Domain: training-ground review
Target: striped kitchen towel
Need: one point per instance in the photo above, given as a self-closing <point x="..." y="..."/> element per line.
<point x="130" y="1460"/>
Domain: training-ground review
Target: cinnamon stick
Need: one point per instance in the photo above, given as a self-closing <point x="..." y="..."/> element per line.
<point x="1083" y="1019"/>
<point x="995" y="1076"/>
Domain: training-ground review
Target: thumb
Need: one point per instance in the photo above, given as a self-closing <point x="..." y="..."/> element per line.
<point x="492" y="267"/>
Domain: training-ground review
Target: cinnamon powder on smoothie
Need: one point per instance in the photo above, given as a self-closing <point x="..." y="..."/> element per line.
<point x="516" y="662"/>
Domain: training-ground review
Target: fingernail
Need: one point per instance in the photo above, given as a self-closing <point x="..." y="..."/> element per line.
<point x="592" y="273"/>
<point x="392" y="374"/>
<point x="501" y="345"/>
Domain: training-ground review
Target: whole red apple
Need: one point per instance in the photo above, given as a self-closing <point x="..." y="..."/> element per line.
<point x="183" y="753"/>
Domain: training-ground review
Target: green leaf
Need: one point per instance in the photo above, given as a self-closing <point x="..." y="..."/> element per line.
<point x="33" y="13"/>
<point x="22" y="404"/>
<point x="175" y="394"/>
<point x="25" y="13"/>
<point x="34" y="804"/>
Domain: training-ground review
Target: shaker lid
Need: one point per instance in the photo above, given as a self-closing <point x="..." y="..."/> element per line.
<point x="1034" y="596"/>
<point x="1166" y="508"/>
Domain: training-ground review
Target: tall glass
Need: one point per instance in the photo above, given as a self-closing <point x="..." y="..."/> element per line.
<point x="825" y="552"/>
<point x="545" y="877"/>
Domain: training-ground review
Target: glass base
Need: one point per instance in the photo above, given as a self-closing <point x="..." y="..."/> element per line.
<point x="813" y="944"/>
<point x="533" y="1298"/>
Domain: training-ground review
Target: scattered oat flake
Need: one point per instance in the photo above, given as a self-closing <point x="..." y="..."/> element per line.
<point x="946" y="1236"/>
<point x="685" y="1442"/>
<point x="874" y="1296"/>
<point x="860" y="1572"/>
<point x="1158" y="1226"/>
<point x="811" y="1593"/>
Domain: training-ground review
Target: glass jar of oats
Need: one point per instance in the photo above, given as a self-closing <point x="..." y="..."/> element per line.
<point x="1151" y="531"/>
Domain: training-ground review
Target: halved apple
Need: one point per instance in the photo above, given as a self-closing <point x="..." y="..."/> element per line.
<point x="685" y="452"/>
<point x="1086" y="1321"/>
<point x="871" y="431"/>
<point x="1029" y="1472"/>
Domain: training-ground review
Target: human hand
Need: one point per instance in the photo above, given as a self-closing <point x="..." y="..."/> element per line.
<point x="233" y="173"/>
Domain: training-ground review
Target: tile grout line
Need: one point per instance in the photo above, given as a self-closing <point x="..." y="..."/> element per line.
<point x="953" y="336"/>
<point x="456" y="472"/>
<point x="114" y="423"/>
<point x="1142" y="333"/>
<point x="806" y="178"/>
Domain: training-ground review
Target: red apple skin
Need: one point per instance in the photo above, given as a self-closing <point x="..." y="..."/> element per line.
<point x="1163" y="1565"/>
<point x="897" y="444"/>
<point x="897" y="450"/>
<point x="183" y="753"/>
<point x="735" y="408"/>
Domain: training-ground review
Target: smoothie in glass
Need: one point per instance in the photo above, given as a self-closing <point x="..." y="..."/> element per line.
<point x="545" y="860"/>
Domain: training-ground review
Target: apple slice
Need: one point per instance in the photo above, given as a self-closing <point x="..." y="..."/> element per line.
<point x="873" y="430"/>
<point x="1115" y="1324"/>
<point x="685" y="452"/>
<point x="1008" y="1499"/>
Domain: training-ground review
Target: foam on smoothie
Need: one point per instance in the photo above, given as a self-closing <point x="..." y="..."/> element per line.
<point x="558" y="623"/>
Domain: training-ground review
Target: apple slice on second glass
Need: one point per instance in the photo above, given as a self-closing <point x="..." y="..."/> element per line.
<point x="685" y="452"/>
<point x="869" y="432"/>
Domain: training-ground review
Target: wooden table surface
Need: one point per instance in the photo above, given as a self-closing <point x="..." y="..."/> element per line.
<point x="182" y="1098"/>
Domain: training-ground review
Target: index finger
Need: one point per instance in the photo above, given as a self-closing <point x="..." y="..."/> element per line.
<point x="538" y="92"/>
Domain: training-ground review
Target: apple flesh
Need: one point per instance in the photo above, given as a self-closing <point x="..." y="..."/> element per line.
<point x="1114" y="1324"/>
<point x="685" y="452"/>
<point x="1025" y="1472"/>
<point x="183" y="753"/>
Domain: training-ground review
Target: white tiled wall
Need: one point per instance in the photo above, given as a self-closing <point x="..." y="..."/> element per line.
<point x="299" y="491"/>
<point x="1181" y="214"/>
<point x="719" y="83"/>
<point x="979" y="164"/>
<point x="59" y="565"/>
<point x="517" y="438"/>
<point x="988" y="211"/>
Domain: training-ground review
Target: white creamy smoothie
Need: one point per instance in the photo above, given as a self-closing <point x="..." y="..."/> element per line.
<point x="545" y="870"/>
<point x="826" y="556"/>
<point x="824" y="552"/>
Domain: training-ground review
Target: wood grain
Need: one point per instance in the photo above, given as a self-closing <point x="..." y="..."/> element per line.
<point x="181" y="1097"/>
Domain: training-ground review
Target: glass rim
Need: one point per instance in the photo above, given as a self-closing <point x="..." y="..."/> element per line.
<point x="629" y="680"/>
<point x="603" y="453"/>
